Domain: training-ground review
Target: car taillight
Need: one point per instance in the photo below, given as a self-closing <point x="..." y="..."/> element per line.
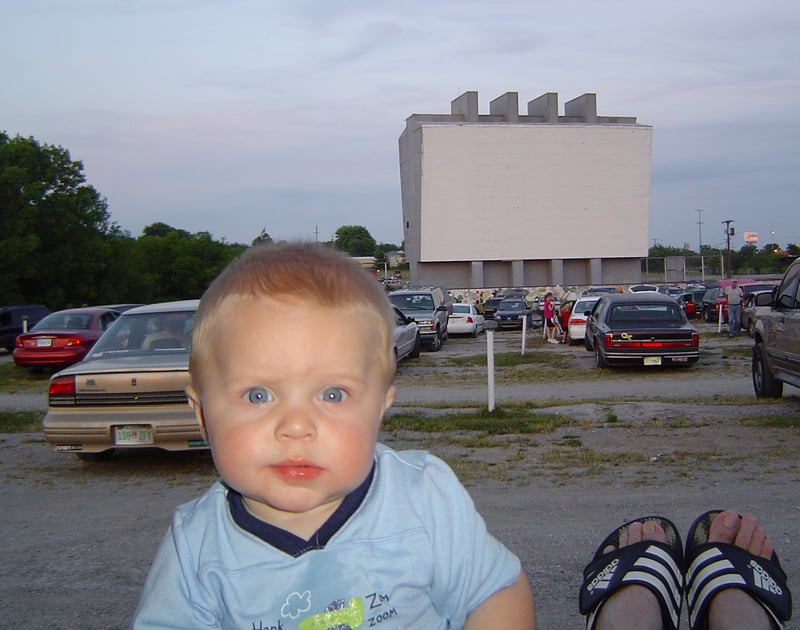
<point x="62" y="386"/>
<point x="607" y="340"/>
<point x="695" y="340"/>
<point x="74" y="341"/>
<point x="469" y="319"/>
<point x="581" y="322"/>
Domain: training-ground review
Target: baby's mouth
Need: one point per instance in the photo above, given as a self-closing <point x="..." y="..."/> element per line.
<point x="297" y="471"/>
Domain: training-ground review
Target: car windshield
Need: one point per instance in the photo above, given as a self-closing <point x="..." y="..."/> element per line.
<point x="64" y="321"/>
<point x="461" y="308"/>
<point x="146" y="333"/>
<point x="412" y="301"/>
<point x="640" y="315"/>
<point x="581" y="306"/>
<point x="512" y="305"/>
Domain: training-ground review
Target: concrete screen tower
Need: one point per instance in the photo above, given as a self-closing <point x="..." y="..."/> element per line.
<point x="505" y="199"/>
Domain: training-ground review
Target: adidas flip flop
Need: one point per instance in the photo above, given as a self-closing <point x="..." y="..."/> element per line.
<point x="655" y="565"/>
<point x="713" y="567"/>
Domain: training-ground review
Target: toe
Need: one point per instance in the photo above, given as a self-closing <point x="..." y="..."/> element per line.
<point x="745" y="532"/>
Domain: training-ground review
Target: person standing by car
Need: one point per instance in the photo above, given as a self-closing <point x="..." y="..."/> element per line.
<point x="549" y="315"/>
<point x="734" y="295"/>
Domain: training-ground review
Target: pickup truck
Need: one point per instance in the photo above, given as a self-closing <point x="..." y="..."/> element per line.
<point x="776" y="338"/>
<point x="429" y="307"/>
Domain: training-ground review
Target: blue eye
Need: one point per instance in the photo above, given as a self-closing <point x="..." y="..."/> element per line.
<point x="333" y="394"/>
<point x="258" y="396"/>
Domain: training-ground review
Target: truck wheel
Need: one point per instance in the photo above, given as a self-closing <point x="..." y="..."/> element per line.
<point x="764" y="383"/>
<point x="436" y="344"/>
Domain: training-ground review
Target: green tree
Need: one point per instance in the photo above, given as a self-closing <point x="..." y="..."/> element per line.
<point x="355" y="240"/>
<point x="178" y="265"/>
<point x="53" y="227"/>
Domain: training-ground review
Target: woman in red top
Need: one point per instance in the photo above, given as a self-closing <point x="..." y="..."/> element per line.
<point x="549" y="313"/>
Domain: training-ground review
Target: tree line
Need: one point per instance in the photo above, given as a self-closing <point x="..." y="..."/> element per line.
<point x="60" y="247"/>
<point x="771" y="258"/>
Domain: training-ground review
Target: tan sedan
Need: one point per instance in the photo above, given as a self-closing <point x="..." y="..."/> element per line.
<point x="129" y="390"/>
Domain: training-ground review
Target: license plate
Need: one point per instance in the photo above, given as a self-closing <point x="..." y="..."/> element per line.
<point x="44" y="343"/>
<point x="652" y="360"/>
<point x="132" y="435"/>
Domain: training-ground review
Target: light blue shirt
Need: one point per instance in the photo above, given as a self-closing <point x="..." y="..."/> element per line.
<point x="414" y="553"/>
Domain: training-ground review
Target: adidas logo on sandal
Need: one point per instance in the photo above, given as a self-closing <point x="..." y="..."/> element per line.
<point x="602" y="579"/>
<point x="764" y="580"/>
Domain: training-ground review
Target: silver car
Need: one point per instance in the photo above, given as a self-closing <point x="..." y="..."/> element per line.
<point x="129" y="390"/>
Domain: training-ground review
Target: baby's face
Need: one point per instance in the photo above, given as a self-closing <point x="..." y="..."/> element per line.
<point x="292" y="399"/>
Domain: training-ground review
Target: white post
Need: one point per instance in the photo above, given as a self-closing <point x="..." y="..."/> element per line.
<point x="490" y="326"/>
<point x="524" y="333"/>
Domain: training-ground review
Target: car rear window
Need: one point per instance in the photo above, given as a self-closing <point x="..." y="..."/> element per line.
<point x="644" y="314"/>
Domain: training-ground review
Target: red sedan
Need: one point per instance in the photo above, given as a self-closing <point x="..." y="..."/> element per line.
<point x="62" y="338"/>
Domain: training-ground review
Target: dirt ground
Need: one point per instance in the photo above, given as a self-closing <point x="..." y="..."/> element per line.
<point x="78" y="538"/>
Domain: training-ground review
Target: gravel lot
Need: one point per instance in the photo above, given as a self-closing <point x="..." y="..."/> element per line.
<point x="78" y="538"/>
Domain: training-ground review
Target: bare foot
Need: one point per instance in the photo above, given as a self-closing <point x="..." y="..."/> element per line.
<point x="633" y="607"/>
<point x="732" y="608"/>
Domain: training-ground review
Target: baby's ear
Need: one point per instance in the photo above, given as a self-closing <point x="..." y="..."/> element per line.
<point x="197" y="407"/>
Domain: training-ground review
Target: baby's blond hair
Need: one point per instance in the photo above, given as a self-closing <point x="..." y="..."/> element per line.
<point x="310" y="271"/>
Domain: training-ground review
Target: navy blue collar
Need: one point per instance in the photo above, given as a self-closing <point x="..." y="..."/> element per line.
<point x="286" y="541"/>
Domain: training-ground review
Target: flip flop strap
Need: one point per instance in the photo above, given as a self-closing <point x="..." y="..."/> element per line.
<point x="718" y="566"/>
<point x="649" y="564"/>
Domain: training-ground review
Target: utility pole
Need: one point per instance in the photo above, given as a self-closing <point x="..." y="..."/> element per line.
<point x="700" y="231"/>
<point x="729" y="231"/>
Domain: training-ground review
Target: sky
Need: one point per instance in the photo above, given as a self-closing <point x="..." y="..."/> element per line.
<point x="234" y="116"/>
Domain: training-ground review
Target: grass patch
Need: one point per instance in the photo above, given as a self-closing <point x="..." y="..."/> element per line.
<point x="508" y="359"/>
<point x="16" y="379"/>
<point x="20" y="421"/>
<point x="501" y="421"/>
<point x="786" y="421"/>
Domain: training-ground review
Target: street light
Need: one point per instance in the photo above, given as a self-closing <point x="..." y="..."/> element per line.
<point x="729" y="231"/>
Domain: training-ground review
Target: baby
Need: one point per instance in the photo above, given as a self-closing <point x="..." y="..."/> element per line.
<point x="314" y="525"/>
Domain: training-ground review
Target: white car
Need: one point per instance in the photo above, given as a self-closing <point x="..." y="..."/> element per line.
<point x="465" y="320"/>
<point x="407" y="341"/>
<point x="643" y="288"/>
<point x="576" y="325"/>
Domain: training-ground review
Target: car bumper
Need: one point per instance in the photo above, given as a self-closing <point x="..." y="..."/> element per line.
<point x="80" y="430"/>
<point x="461" y="329"/>
<point x="645" y="358"/>
<point x="33" y="358"/>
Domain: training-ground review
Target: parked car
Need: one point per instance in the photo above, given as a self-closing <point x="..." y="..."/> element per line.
<point x="14" y="320"/>
<point x="512" y="312"/>
<point x="643" y="288"/>
<point x="646" y="328"/>
<point x="576" y="325"/>
<point x="598" y="291"/>
<point x="407" y="341"/>
<point x="62" y="338"/>
<point x="670" y="290"/>
<point x="688" y="301"/>
<point x="429" y="307"/>
<point x="490" y="306"/>
<point x="465" y="320"/>
<point x="755" y="304"/>
<point x="125" y="394"/>
<point x="776" y="339"/>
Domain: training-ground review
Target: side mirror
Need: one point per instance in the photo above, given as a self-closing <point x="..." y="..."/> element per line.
<point x="764" y="299"/>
